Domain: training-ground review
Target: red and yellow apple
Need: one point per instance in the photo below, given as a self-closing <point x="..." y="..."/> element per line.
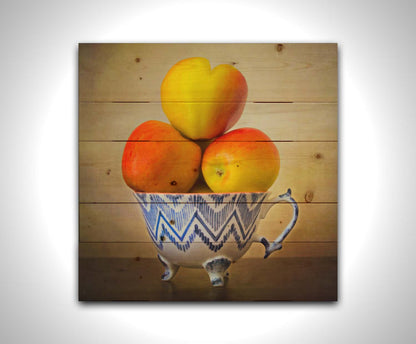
<point x="243" y="160"/>
<point x="201" y="102"/>
<point x="157" y="158"/>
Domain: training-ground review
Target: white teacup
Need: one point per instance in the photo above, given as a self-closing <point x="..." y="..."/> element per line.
<point x="209" y="230"/>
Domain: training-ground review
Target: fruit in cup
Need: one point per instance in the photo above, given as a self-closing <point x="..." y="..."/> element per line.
<point x="243" y="160"/>
<point x="200" y="186"/>
<point x="157" y="158"/>
<point x="201" y="102"/>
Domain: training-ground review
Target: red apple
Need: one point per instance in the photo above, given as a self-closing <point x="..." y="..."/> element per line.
<point x="157" y="158"/>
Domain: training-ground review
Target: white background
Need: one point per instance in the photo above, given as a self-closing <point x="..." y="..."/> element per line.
<point x="38" y="171"/>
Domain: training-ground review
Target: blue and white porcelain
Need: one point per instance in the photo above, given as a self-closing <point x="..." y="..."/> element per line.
<point x="208" y="230"/>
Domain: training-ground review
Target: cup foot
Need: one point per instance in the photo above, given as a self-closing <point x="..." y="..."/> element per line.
<point x="170" y="268"/>
<point x="216" y="269"/>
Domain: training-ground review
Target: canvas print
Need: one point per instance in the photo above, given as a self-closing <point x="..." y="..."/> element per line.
<point x="208" y="172"/>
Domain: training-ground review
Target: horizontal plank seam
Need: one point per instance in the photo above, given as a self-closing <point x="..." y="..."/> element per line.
<point x="247" y="102"/>
<point x="201" y="141"/>
<point x="206" y="202"/>
<point x="169" y="242"/>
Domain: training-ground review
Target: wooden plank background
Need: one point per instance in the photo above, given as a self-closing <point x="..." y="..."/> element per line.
<point x="292" y="98"/>
<point x="274" y="72"/>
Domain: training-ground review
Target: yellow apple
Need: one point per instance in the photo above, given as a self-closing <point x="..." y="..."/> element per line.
<point x="243" y="160"/>
<point x="201" y="102"/>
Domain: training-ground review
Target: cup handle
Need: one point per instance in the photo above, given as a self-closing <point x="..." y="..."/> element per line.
<point x="277" y="244"/>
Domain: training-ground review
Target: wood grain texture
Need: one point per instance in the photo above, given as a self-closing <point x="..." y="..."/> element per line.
<point x="285" y="279"/>
<point x="292" y="97"/>
<point x="125" y="223"/>
<point x="284" y="73"/>
<point x="281" y="122"/>
<point x="308" y="168"/>
<point x="148" y="250"/>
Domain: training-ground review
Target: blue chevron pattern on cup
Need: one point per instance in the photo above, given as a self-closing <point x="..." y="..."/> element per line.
<point x="213" y="218"/>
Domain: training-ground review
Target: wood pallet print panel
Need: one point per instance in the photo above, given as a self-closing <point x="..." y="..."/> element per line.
<point x="208" y="172"/>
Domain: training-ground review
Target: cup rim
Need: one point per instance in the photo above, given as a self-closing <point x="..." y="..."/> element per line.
<point x="200" y="193"/>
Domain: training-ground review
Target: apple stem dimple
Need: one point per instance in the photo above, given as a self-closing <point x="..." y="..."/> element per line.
<point x="220" y="172"/>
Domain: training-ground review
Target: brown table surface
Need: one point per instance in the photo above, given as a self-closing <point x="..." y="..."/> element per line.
<point x="280" y="279"/>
